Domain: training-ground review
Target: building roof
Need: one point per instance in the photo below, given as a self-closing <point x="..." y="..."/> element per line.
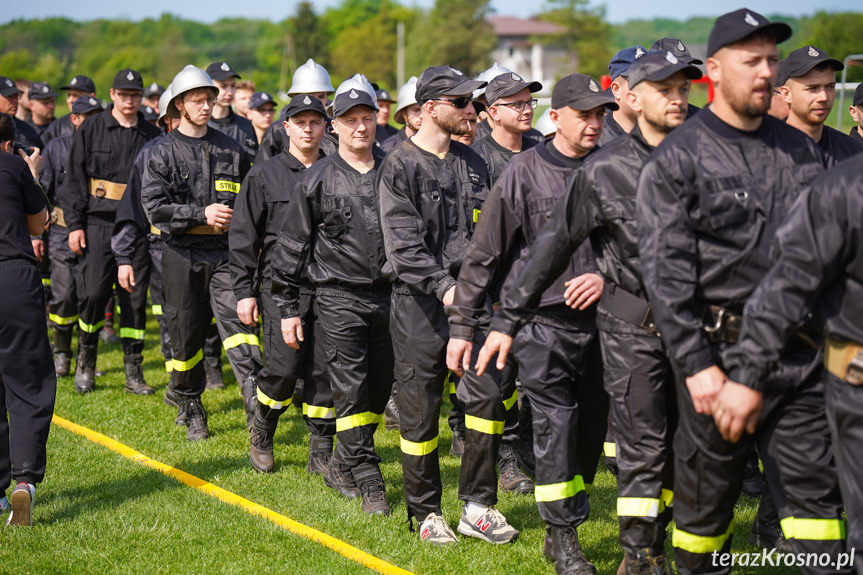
<point x="512" y="26"/>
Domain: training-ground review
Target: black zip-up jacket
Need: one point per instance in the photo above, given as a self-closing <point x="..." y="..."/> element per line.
<point x="27" y="135"/>
<point x="855" y="135"/>
<point x="599" y="204"/>
<point x="483" y="130"/>
<point x="390" y="143"/>
<point x="53" y="172"/>
<point x="41" y="130"/>
<point x="103" y="149"/>
<point x="836" y="146"/>
<point x="276" y="140"/>
<point x="259" y="217"/>
<point x="62" y="126"/>
<point x="496" y="156"/>
<point x="334" y="231"/>
<point x="184" y="175"/>
<point x="518" y="208"/>
<point x="130" y="223"/>
<point x="383" y="133"/>
<point x="709" y="201"/>
<point x="429" y="209"/>
<point x="240" y="129"/>
<point x="817" y="266"/>
<point x="611" y="130"/>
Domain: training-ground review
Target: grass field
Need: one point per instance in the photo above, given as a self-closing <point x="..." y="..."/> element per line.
<point x="97" y="512"/>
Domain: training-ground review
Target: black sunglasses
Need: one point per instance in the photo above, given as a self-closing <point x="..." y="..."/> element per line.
<point x="459" y="103"/>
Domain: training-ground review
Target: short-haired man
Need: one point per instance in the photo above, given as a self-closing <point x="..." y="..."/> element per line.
<point x="151" y="96"/>
<point x="78" y="86"/>
<point x="258" y="221"/>
<point x="856" y="111"/>
<point x="408" y="113"/>
<point x="384" y="130"/>
<point x="261" y="111"/>
<point x="9" y="104"/>
<point x="622" y="120"/>
<point x="23" y="114"/>
<point x="223" y="117"/>
<point x="242" y="94"/>
<point x="708" y="201"/>
<point x="41" y="104"/>
<point x="808" y="86"/>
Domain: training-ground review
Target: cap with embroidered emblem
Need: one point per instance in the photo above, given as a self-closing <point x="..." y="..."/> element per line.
<point x="7" y="87"/>
<point x="83" y="83"/>
<point x="154" y="89"/>
<point x="41" y="91"/>
<point x="439" y="81"/>
<point x="738" y="25"/>
<point x="383" y="96"/>
<point x="351" y="99"/>
<point x="657" y="66"/>
<point x="802" y="60"/>
<point x="620" y="62"/>
<point x="85" y="104"/>
<point x="676" y="47"/>
<point x="507" y="84"/>
<point x="304" y="103"/>
<point x="221" y="71"/>
<point x="580" y="92"/>
<point x="127" y="79"/>
<point x="259" y="99"/>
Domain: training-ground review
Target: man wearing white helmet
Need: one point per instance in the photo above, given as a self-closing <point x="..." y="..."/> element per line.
<point x="408" y="113"/>
<point x="223" y="117"/>
<point x="189" y="187"/>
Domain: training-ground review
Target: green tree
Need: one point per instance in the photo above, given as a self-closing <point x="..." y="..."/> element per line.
<point x="309" y="36"/>
<point x="839" y="35"/>
<point x="586" y="35"/>
<point x="459" y="35"/>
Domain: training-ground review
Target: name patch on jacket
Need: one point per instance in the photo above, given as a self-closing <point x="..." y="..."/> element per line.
<point x="475" y="178"/>
<point x="227" y="186"/>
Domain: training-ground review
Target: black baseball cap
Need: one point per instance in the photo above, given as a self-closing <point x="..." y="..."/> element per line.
<point x="304" y="103"/>
<point x="735" y="26"/>
<point x="85" y="104"/>
<point x="221" y="71"/>
<point x="676" y="47"/>
<point x="383" y="96"/>
<point x="154" y="89"/>
<point x="83" y="83"/>
<point x="439" y="81"/>
<point x="858" y="95"/>
<point x="128" y="79"/>
<point x="41" y="91"/>
<point x="258" y="99"/>
<point x="580" y="92"/>
<point x="8" y="87"/>
<point x="347" y="100"/>
<point x="620" y="62"/>
<point x="802" y="60"/>
<point x="507" y="84"/>
<point x="150" y="114"/>
<point x="657" y="66"/>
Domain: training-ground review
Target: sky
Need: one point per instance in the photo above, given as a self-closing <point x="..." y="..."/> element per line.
<point x="210" y="10"/>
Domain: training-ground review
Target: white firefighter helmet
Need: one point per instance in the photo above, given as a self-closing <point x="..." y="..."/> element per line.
<point x="489" y="75"/>
<point x="310" y="78"/>
<point x="165" y="101"/>
<point x="407" y="97"/>
<point x="545" y="125"/>
<point x="190" y="78"/>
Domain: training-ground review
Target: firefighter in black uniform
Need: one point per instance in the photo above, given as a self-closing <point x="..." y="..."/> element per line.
<point x="100" y="158"/>
<point x="223" y="117"/>
<point x="78" y="86"/>
<point x="709" y="201"/>
<point x="407" y="112"/>
<point x="63" y="305"/>
<point x="621" y="121"/>
<point x="189" y="186"/>
<point x="431" y="194"/>
<point x="332" y="236"/>
<point x="681" y="52"/>
<point x="856" y="111"/>
<point x="384" y="130"/>
<point x="807" y="80"/>
<point x="258" y="220"/>
<point x="9" y="96"/>
<point x="41" y="102"/>
<point x="818" y="267"/>
<point x="557" y="354"/>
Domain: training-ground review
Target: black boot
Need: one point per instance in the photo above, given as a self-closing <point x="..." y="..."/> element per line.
<point x="261" y="450"/>
<point x="645" y="562"/>
<point x="391" y="412"/>
<point x="340" y="478"/>
<point x="320" y="453"/>
<point x="766" y="531"/>
<point x="196" y="419"/>
<point x="62" y="350"/>
<point x="457" y="446"/>
<point x="568" y="556"/>
<point x="249" y="389"/>
<point x="512" y="478"/>
<point x="753" y="480"/>
<point x="85" y="370"/>
<point x="173" y="399"/>
<point x="371" y="485"/>
<point x="135" y="375"/>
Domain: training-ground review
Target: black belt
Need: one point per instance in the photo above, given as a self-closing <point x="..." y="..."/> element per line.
<point x="722" y="325"/>
<point x="630" y="308"/>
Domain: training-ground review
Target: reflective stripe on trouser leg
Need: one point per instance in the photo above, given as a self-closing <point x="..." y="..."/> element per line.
<point x="241" y="342"/>
<point x="95" y="277"/>
<point x="133" y="306"/>
<point x="640" y="383"/>
<point x="509" y="396"/>
<point x="155" y="251"/>
<point x="359" y="357"/>
<point x="318" y="411"/>
<point x="562" y="388"/>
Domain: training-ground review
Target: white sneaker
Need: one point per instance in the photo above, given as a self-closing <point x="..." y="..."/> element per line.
<point x="435" y="531"/>
<point x="486" y="523"/>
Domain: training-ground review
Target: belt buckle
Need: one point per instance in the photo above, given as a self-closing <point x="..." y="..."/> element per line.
<point x="54" y="216"/>
<point x="720" y="318"/>
<point x="854" y="371"/>
<point x="100" y="187"/>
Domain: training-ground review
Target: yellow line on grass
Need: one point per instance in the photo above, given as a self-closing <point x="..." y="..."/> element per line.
<point x="294" y="527"/>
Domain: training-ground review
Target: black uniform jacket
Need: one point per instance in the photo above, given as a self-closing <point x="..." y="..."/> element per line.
<point x="390" y="143"/>
<point x="709" y="202"/>
<point x="817" y="267"/>
<point x="62" y="126"/>
<point x="259" y="217"/>
<point x="27" y="135"/>
<point x="185" y="175"/>
<point x="240" y="129"/>
<point x="517" y="210"/>
<point x="429" y="209"/>
<point x="53" y="172"/>
<point x="837" y="147"/>
<point x="103" y="149"/>
<point x="130" y="222"/>
<point x="496" y="156"/>
<point x="333" y="225"/>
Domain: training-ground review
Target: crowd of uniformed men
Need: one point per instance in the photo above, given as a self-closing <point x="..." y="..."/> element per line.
<point x="670" y="286"/>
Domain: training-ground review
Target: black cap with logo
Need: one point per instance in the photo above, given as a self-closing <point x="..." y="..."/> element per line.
<point x="507" y="84"/>
<point x="154" y="89"/>
<point x="128" y="79"/>
<point x="580" y="92"/>
<point x="676" y="47"/>
<point x="439" y="81"/>
<point x="85" y="104"/>
<point x="83" y="83"/>
<point x="657" y="66"/>
<point x="858" y="95"/>
<point x="735" y="26"/>
<point x="221" y="71"/>
<point x="259" y="99"/>
<point x="383" y="96"/>
<point x="347" y="100"/>
<point x="7" y="87"/>
<point x="802" y="60"/>
<point x="41" y="91"/>
<point x="304" y="103"/>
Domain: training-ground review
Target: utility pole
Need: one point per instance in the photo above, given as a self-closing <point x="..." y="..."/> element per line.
<point x="400" y="65"/>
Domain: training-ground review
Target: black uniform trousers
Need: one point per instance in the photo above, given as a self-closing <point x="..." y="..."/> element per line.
<point x="794" y="442"/>
<point x="355" y="328"/>
<point x="845" y="416"/>
<point x="420" y="333"/>
<point x="195" y="290"/>
<point x="96" y="274"/>
<point x="283" y="366"/>
<point x="63" y="305"/>
<point x="561" y="374"/>
<point x="133" y="306"/>
<point x="27" y="381"/>
<point x="640" y="383"/>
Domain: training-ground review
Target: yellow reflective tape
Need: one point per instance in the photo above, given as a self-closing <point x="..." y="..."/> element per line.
<point x="558" y="491"/>
<point x="700" y="543"/>
<point x="213" y="321"/>
<point x="189" y="363"/>
<point x="419" y="449"/>
<point x="227" y="186"/>
<point x="131" y="333"/>
<point x="266" y="400"/>
<point x="62" y="320"/>
<point x="240" y="339"/>
<point x="46" y="282"/>
<point x="452" y="390"/>
<point x="813" y="529"/>
<point x="588" y="488"/>
<point x="508" y="403"/>
<point x="358" y="420"/>
<point x="90" y="328"/>
<point x="340" y="547"/>
<point x="666" y="498"/>
<point x="637" y="507"/>
<point x="169" y="366"/>
<point x="319" y="411"/>
<point x="610" y="449"/>
<point x="116" y="307"/>
<point x="483" y="425"/>
<point x="475" y="215"/>
<point x="157" y="309"/>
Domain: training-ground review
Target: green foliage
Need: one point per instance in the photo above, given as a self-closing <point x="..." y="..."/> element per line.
<point x="586" y="36"/>
<point x="309" y="36"/>
<point x="460" y="35"/>
<point x="840" y="35"/>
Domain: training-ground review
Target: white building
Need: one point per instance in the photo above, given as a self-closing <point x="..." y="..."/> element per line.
<point x="531" y="60"/>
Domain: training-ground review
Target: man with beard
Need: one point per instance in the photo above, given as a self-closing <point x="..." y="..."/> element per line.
<point x="41" y="104"/>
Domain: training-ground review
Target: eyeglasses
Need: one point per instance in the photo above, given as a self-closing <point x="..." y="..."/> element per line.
<point x="459" y="103"/>
<point x="200" y="102"/>
<point x="266" y="111"/>
<point x="127" y="97"/>
<point x="519" y="106"/>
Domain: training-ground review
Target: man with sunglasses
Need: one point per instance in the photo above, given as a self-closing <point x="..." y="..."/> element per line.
<point x="431" y="190"/>
<point x="100" y="160"/>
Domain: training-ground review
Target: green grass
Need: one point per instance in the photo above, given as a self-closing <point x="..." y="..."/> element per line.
<point x="97" y="512"/>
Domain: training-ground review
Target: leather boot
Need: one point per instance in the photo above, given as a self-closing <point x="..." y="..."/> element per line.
<point x="85" y="370"/>
<point x="135" y="375"/>
<point x="249" y="389"/>
<point x="62" y="351"/>
<point x="568" y="556"/>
